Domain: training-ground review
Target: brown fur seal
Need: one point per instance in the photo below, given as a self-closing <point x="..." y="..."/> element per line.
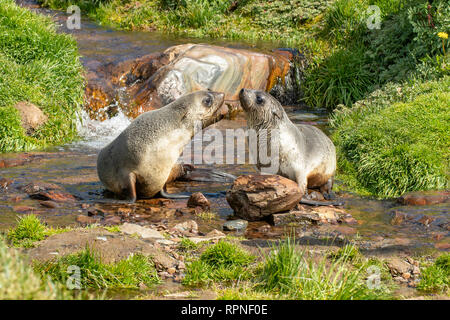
<point x="306" y="154"/>
<point x="140" y="161"/>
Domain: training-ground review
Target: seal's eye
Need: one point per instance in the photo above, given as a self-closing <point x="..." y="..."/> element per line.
<point x="259" y="99"/>
<point x="207" y="101"/>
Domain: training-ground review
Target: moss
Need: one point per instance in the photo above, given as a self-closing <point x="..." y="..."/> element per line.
<point x="40" y="66"/>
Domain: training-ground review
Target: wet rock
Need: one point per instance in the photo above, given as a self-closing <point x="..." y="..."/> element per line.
<point x="403" y="268"/>
<point x="4" y="183"/>
<point x="210" y="236"/>
<point x="85" y="220"/>
<point x="307" y="215"/>
<point x="254" y="197"/>
<point x="299" y="217"/>
<point x="315" y="195"/>
<point x="35" y="187"/>
<point x="397" y="218"/>
<point x="53" y="195"/>
<point x="111" y="220"/>
<point x="31" y="116"/>
<point x="171" y="270"/>
<point x="24" y="209"/>
<point x="215" y="233"/>
<point x="93" y="211"/>
<point x="235" y="225"/>
<point x="186" y="228"/>
<point x="143" y="232"/>
<point x="424" y="198"/>
<point x="197" y="199"/>
<point x="8" y="163"/>
<point x="155" y="80"/>
<point x="49" y="204"/>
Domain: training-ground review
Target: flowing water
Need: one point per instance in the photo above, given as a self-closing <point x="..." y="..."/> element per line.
<point x="73" y="166"/>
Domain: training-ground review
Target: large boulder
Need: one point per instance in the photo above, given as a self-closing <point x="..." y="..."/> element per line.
<point x="254" y="197"/>
<point x="155" y="80"/>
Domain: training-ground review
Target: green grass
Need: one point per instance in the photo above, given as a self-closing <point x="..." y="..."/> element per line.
<point x="287" y="273"/>
<point x="201" y="18"/>
<point x="342" y="78"/>
<point x="28" y="230"/>
<point x="397" y="140"/>
<point x="187" y="244"/>
<point x="128" y="273"/>
<point x="223" y="262"/>
<point x="42" y="67"/>
<point x="436" y="277"/>
<point x="18" y="281"/>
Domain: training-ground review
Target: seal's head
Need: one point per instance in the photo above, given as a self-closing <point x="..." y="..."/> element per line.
<point x="261" y="109"/>
<point x="203" y="106"/>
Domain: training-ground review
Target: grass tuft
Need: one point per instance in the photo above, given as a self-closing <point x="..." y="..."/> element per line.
<point x="436" y="278"/>
<point x="128" y="273"/>
<point x="29" y="229"/>
<point x="222" y="262"/>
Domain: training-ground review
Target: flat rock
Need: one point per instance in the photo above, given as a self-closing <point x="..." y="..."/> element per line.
<point x="143" y="232"/>
<point x="187" y="227"/>
<point x="254" y="197"/>
<point x="53" y="195"/>
<point x="313" y="216"/>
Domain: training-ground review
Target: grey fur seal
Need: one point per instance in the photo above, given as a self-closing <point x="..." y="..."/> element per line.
<point x="306" y="155"/>
<point x="140" y="161"/>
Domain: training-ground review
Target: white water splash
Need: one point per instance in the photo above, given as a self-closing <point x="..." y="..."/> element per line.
<point x="97" y="134"/>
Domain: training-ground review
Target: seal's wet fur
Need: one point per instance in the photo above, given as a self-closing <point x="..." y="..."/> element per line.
<point x="139" y="162"/>
<point x="306" y="154"/>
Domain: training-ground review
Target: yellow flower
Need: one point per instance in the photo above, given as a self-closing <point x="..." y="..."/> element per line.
<point x="443" y="35"/>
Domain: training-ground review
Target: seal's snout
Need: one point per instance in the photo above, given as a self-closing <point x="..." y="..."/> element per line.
<point x="220" y="96"/>
<point x="242" y="94"/>
<point x="243" y="98"/>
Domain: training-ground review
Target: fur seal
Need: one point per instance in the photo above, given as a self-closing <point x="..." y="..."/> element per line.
<point x="306" y="154"/>
<point x="140" y="161"/>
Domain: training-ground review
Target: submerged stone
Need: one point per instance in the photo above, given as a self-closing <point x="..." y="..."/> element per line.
<point x="235" y="225"/>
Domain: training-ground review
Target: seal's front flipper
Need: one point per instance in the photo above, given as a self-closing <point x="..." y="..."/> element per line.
<point x="163" y="193"/>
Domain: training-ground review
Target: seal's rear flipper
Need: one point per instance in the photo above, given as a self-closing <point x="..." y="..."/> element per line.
<point x="321" y="203"/>
<point x="206" y="175"/>
<point x="164" y="194"/>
